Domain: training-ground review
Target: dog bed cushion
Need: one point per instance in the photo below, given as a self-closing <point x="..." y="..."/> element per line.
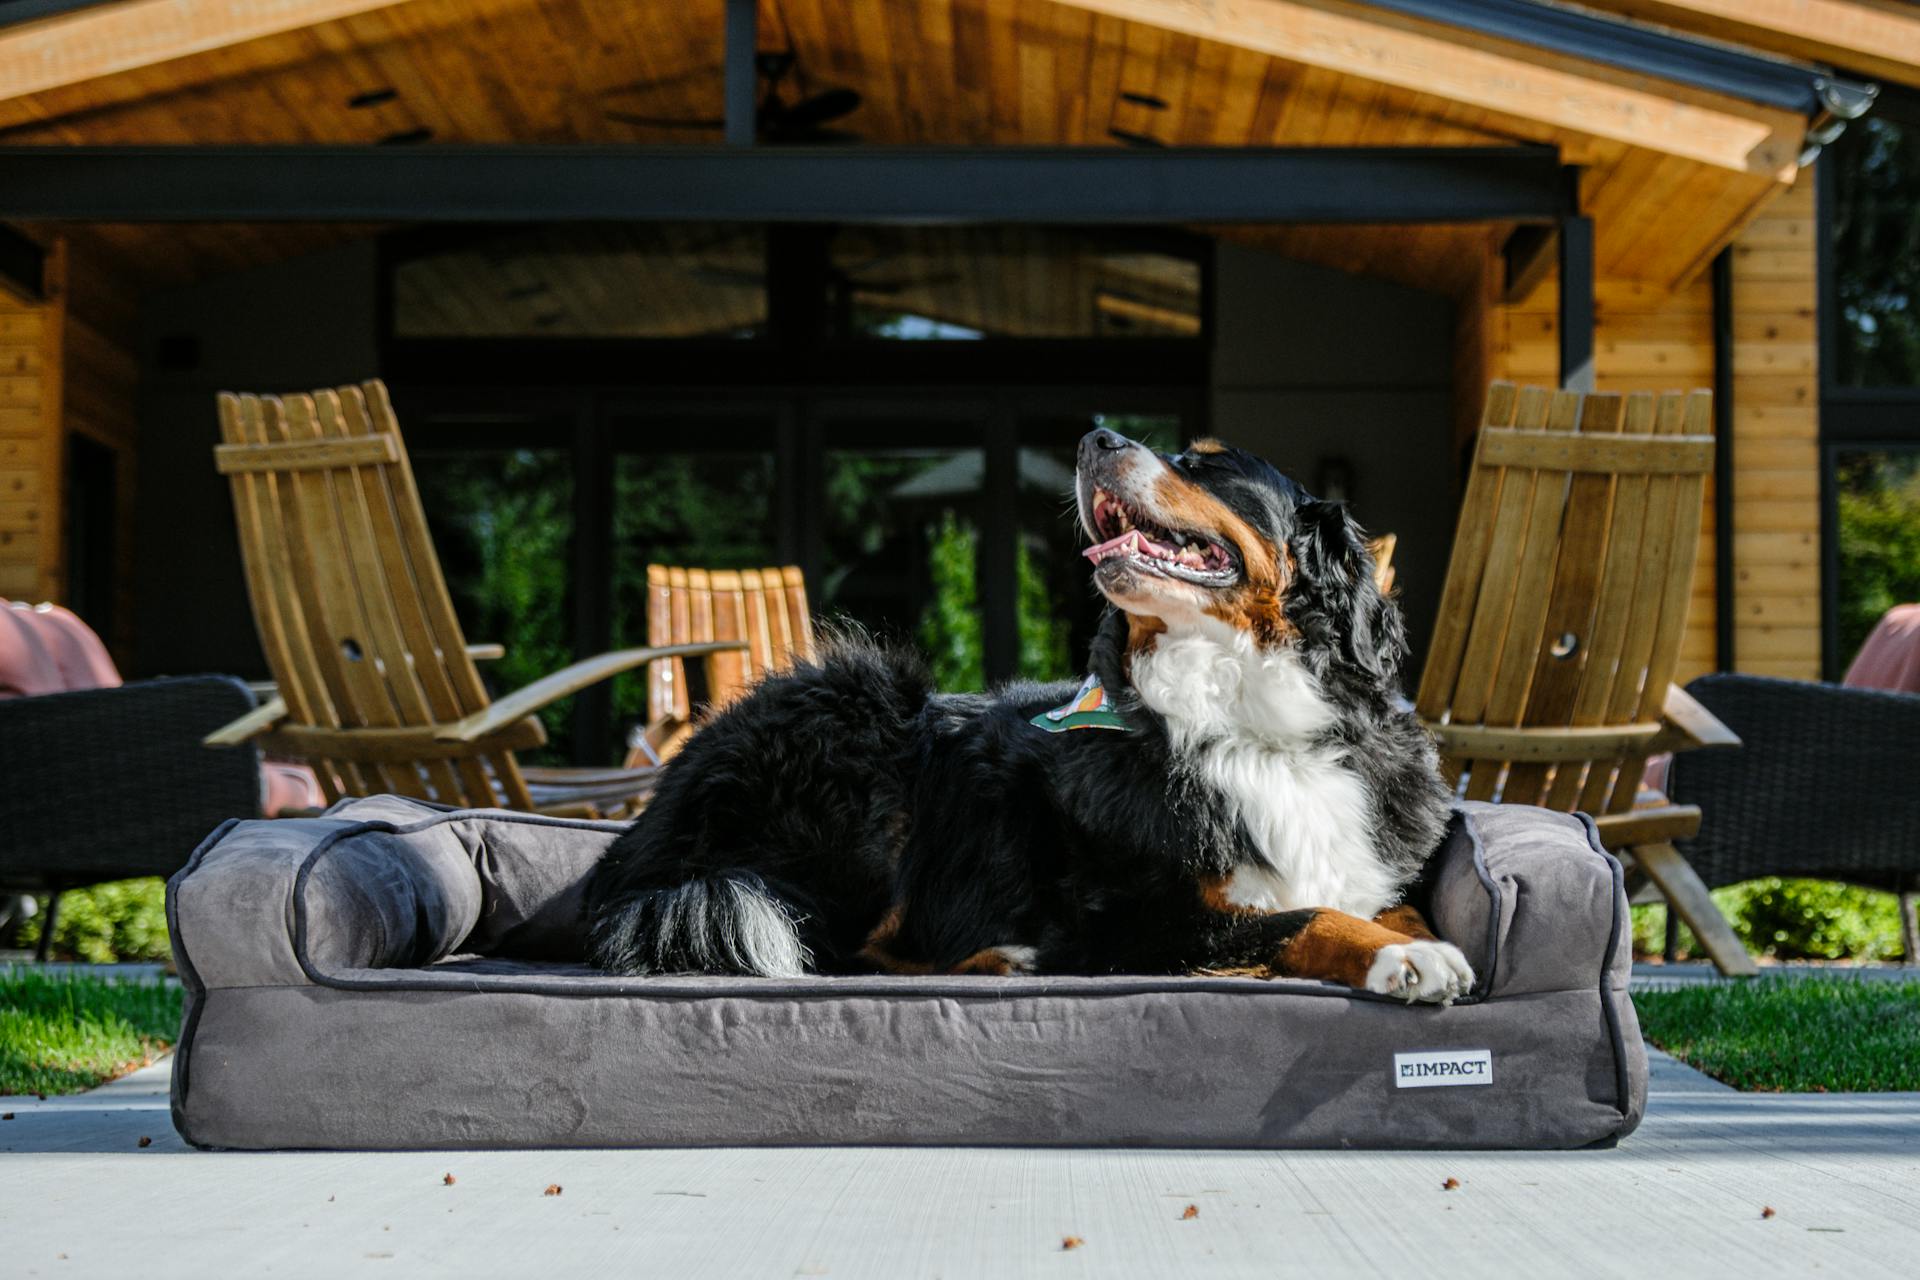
<point x="398" y="975"/>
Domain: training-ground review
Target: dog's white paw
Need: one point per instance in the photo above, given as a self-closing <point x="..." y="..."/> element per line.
<point x="1420" y="971"/>
<point x="1019" y="959"/>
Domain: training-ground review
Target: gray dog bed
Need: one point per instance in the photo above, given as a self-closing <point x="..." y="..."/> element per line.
<point x="395" y="975"/>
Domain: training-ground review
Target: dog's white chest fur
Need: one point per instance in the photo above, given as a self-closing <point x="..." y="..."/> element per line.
<point x="1250" y="723"/>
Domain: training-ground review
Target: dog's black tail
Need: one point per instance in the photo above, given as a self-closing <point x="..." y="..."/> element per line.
<point x="727" y="922"/>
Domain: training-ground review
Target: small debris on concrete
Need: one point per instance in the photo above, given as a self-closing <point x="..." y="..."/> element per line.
<point x="1451" y="1184"/>
<point x="447" y="1180"/>
<point x="6" y="1115"/>
<point x="1071" y="1242"/>
<point x="1766" y="1211"/>
<point x="145" y="1141"/>
<point x="1192" y="1212"/>
<point x="553" y="1189"/>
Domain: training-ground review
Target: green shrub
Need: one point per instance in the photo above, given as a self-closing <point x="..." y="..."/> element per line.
<point x="1791" y="920"/>
<point x="125" y="920"/>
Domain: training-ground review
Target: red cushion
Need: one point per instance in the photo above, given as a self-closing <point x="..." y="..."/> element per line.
<point x="45" y="649"/>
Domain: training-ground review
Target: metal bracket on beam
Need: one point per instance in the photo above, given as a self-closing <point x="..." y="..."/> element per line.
<point x="1528" y="255"/>
<point x="23" y="267"/>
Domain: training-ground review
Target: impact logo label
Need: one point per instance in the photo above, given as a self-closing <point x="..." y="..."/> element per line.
<point x="1434" y="1070"/>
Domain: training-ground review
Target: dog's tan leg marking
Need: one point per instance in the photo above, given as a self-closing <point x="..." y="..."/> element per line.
<point x="1373" y="957"/>
<point x="1407" y="920"/>
<point x="878" y="951"/>
<point x="1336" y="947"/>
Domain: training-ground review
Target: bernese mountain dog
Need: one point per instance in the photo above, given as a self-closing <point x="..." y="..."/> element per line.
<point x="1236" y="788"/>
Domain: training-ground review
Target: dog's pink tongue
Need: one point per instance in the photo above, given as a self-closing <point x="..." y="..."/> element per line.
<point x="1112" y="546"/>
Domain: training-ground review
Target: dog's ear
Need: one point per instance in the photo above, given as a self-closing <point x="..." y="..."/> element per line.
<point x="1334" y="566"/>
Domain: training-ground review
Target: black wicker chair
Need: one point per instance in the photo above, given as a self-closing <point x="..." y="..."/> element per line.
<point x="106" y="784"/>
<point x="1825" y="785"/>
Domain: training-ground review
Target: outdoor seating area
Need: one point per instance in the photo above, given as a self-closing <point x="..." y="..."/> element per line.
<point x="1313" y="608"/>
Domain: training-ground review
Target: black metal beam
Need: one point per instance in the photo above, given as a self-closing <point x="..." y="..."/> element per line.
<point x="1088" y="185"/>
<point x="743" y="47"/>
<point x="1723" y="618"/>
<point x="1576" y="303"/>
<point x="23" y="266"/>
<point x="1616" y="42"/>
<point x="15" y="12"/>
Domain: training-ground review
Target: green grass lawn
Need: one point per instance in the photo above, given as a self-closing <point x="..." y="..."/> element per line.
<point x="63" y="1033"/>
<point x="1794" y="1035"/>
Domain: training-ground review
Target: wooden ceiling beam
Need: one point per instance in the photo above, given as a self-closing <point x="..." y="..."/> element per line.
<point x="107" y="39"/>
<point x="1872" y="37"/>
<point x="1493" y="75"/>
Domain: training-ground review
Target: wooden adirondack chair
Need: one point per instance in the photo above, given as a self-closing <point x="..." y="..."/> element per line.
<point x="1548" y="679"/>
<point x="377" y="686"/>
<point x="765" y="608"/>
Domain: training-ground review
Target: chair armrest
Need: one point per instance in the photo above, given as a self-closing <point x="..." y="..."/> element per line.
<point x="1686" y="725"/>
<point x="570" y="680"/>
<point x="102" y="784"/>
<point x="248" y="726"/>
<point x="486" y="652"/>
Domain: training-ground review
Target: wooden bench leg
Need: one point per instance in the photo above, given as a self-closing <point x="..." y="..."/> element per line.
<point x="1686" y="895"/>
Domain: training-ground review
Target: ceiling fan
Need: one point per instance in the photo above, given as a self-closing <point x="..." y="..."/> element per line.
<point x="805" y="119"/>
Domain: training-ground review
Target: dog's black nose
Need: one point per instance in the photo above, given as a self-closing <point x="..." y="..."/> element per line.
<point x="1101" y="438"/>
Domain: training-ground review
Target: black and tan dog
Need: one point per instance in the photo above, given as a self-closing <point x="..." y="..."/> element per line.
<point x="1233" y="789"/>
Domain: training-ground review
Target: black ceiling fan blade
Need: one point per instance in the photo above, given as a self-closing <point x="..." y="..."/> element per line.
<point x="662" y="122"/>
<point x="819" y="108"/>
<point x="785" y="133"/>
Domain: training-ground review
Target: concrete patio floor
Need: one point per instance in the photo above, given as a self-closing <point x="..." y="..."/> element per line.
<point x="1684" y="1195"/>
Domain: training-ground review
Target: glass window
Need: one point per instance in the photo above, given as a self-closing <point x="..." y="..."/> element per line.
<point x="1877" y="494"/>
<point x="667" y="280"/>
<point x="502" y="523"/>
<point x="901" y="527"/>
<point x="712" y="509"/>
<point x="939" y="282"/>
<point x="1875" y="230"/>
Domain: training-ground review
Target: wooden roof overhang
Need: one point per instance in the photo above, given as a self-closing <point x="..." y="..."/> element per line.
<point x="1671" y="169"/>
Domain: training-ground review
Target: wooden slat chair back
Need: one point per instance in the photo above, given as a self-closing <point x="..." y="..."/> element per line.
<point x="1549" y="676"/>
<point x="350" y="604"/>
<point x="377" y="686"/>
<point x="765" y="608"/>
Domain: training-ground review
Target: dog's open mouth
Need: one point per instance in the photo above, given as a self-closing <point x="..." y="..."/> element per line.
<point x="1126" y="535"/>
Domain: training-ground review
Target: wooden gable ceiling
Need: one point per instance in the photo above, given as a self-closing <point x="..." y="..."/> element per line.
<point x="981" y="72"/>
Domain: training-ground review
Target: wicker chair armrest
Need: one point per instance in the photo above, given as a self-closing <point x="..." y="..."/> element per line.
<point x="103" y="784"/>
<point x="1822" y="785"/>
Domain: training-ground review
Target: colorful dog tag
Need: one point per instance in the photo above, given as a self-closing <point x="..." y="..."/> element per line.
<point x="1089" y="709"/>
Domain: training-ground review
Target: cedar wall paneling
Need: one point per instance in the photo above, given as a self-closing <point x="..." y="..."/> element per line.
<point x="30" y="459"/>
<point x="1646" y="339"/>
<point x="65" y="366"/>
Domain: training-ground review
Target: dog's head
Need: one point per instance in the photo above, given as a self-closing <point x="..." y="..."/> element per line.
<point x="1217" y="537"/>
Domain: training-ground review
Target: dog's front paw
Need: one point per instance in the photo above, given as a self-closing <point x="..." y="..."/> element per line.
<point x="1420" y="970"/>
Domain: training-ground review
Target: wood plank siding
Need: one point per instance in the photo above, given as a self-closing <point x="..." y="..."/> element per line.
<point x="30" y="459"/>
<point x="66" y="365"/>
<point x="1649" y="340"/>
